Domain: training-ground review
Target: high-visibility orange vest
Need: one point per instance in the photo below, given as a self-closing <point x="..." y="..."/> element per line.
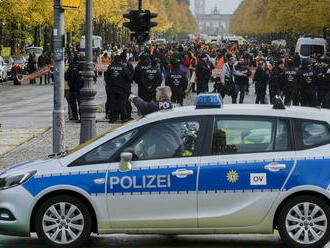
<point x="169" y="57"/>
<point x="191" y="65"/>
<point x="220" y="63"/>
<point x="105" y="59"/>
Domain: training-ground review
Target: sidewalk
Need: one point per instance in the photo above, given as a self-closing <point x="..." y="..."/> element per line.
<point x="39" y="145"/>
<point x="12" y="138"/>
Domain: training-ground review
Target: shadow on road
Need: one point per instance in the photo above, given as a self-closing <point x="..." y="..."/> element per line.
<point x="158" y="241"/>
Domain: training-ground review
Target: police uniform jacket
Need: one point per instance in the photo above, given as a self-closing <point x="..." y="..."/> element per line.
<point x="150" y="107"/>
<point x="178" y="82"/>
<point x="119" y="78"/>
<point x="276" y="79"/>
<point x="291" y="78"/>
<point x="306" y="78"/>
<point x="203" y="71"/>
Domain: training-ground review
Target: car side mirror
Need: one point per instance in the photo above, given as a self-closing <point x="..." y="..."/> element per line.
<point x="125" y="161"/>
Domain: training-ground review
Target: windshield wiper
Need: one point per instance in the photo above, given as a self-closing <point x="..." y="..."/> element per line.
<point x="58" y="155"/>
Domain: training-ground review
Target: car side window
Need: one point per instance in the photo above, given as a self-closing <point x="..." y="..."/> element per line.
<point x="311" y="134"/>
<point x="243" y="135"/>
<point x="105" y="151"/>
<point x="169" y="139"/>
<point x="283" y="139"/>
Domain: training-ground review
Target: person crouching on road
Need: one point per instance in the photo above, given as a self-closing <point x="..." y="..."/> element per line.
<point x="163" y="101"/>
<point x="178" y="82"/>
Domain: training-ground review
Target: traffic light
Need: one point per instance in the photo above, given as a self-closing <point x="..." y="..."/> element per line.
<point x="140" y="20"/>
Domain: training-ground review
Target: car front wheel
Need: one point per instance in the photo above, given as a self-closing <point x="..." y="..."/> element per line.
<point x="63" y="221"/>
<point x="304" y="221"/>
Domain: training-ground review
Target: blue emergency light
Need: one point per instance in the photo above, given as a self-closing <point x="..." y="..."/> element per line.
<point x="208" y="100"/>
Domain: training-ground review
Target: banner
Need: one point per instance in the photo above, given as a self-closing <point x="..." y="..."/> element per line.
<point x="216" y="73"/>
<point x="47" y="69"/>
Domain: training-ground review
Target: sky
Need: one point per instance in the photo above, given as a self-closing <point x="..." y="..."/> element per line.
<point x="225" y="6"/>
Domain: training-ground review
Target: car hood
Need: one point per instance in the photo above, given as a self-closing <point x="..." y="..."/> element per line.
<point x="44" y="164"/>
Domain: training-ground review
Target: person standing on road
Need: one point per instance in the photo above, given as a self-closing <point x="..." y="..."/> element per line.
<point x="75" y="83"/>
<point x="118" y="80"/>
<point x="291" y="88"/>
<point x="203" y="74"/>
<point x="241" y="82"/>
<point x="129" y="66"/>
<point x="151" y="79"/>
<point x="192" y="68"/>
<point x="276" y="81"/>
<point x="227" y="77"/>
<point x="163" y="101"/>
<point x="178" y="82"/>
<point x="306" y="80"/>
<point x="42" y="63"/>
<point x="31" y="66"/>
<point x="260" y="79"/>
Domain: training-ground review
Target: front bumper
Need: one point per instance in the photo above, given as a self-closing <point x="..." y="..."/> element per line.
<point x="19" y="202"/>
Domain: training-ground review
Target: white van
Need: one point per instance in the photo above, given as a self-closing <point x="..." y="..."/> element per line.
<point x="96" y="43"/>
<point x="307" y="46"/>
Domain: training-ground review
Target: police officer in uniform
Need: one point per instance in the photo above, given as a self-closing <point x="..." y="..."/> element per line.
<point x="291" y="88"/>
<point x="142" y="66"/>
<point x="151" y="79"/>
<point x="163" y="101"/>
<point x="203" y="74"/>
<point x="306" y="77"/>
<point x="118" y="80"/>
<point x="276" y="80"/>
<point x="130" y="67"/>
<point x="75" y="82"/>
<point x="178" y="82"/>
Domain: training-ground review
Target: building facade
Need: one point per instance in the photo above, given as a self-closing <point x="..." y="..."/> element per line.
<point x="213" y="23"/>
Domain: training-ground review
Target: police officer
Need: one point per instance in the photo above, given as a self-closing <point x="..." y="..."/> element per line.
<point x="276" y="80"/>
<point x="151" y="79"/>
<point x="143" y="65"/>
<point x="203" y="74"/>
<point x="291" y="88"/>
<point x="118" y="80"/>
<point x="306" y="77"/>
<point x="163" y="101"/>
<point x="130" y="67"/>
<point x="75" y="83"/>
<point x="178" y="82"/>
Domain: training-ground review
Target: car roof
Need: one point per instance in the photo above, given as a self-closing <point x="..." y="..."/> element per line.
<point x="243" y="110"/>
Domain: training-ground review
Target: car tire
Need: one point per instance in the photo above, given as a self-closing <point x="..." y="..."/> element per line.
<point x="304" y="222"/>
<point x="63" y="221"/>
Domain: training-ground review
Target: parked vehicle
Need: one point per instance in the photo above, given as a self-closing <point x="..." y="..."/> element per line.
<point x="3" y="70"/>
<point x="309" y="45"/>
<point x="203" y="169"/>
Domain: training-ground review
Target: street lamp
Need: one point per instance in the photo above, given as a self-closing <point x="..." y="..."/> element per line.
<point x="88" y="105"/>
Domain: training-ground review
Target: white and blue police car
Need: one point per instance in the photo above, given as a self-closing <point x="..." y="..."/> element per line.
<point x="202" y="169"/>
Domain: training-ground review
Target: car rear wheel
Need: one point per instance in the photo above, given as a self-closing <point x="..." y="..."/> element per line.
<point x="63" y="221"/>
<point x="304" y="221"/>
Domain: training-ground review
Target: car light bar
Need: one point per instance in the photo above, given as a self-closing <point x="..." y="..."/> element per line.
<point x="208" y="100"/>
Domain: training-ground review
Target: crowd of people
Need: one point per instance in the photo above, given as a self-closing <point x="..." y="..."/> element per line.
<point x="191" y="66"/>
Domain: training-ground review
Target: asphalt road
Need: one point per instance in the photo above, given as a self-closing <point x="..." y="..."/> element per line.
<point x="159" y="241"/>
<point x="31" y="106"/>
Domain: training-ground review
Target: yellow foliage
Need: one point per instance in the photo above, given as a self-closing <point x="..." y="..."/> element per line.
<point x="274" y="16"/>
<point x="172" y="15"/>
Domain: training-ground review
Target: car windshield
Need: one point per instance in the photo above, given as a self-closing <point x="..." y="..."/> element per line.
<point x="97" y="137"/>
<point x="307" y="50"/>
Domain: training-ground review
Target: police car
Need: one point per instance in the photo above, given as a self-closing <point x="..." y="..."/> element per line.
<point x="201" y="169"/>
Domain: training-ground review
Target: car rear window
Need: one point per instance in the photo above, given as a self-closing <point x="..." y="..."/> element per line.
<point x="310" y="134"/>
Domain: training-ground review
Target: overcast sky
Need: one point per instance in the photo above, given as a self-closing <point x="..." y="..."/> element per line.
<point x="225" y="6"/>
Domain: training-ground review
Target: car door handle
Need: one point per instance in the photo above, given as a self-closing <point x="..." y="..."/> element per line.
<point x="275" y="167"/>
<point x="182" y="173"/>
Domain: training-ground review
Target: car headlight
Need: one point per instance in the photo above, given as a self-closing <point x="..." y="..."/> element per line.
<point x="14" y="180"/>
